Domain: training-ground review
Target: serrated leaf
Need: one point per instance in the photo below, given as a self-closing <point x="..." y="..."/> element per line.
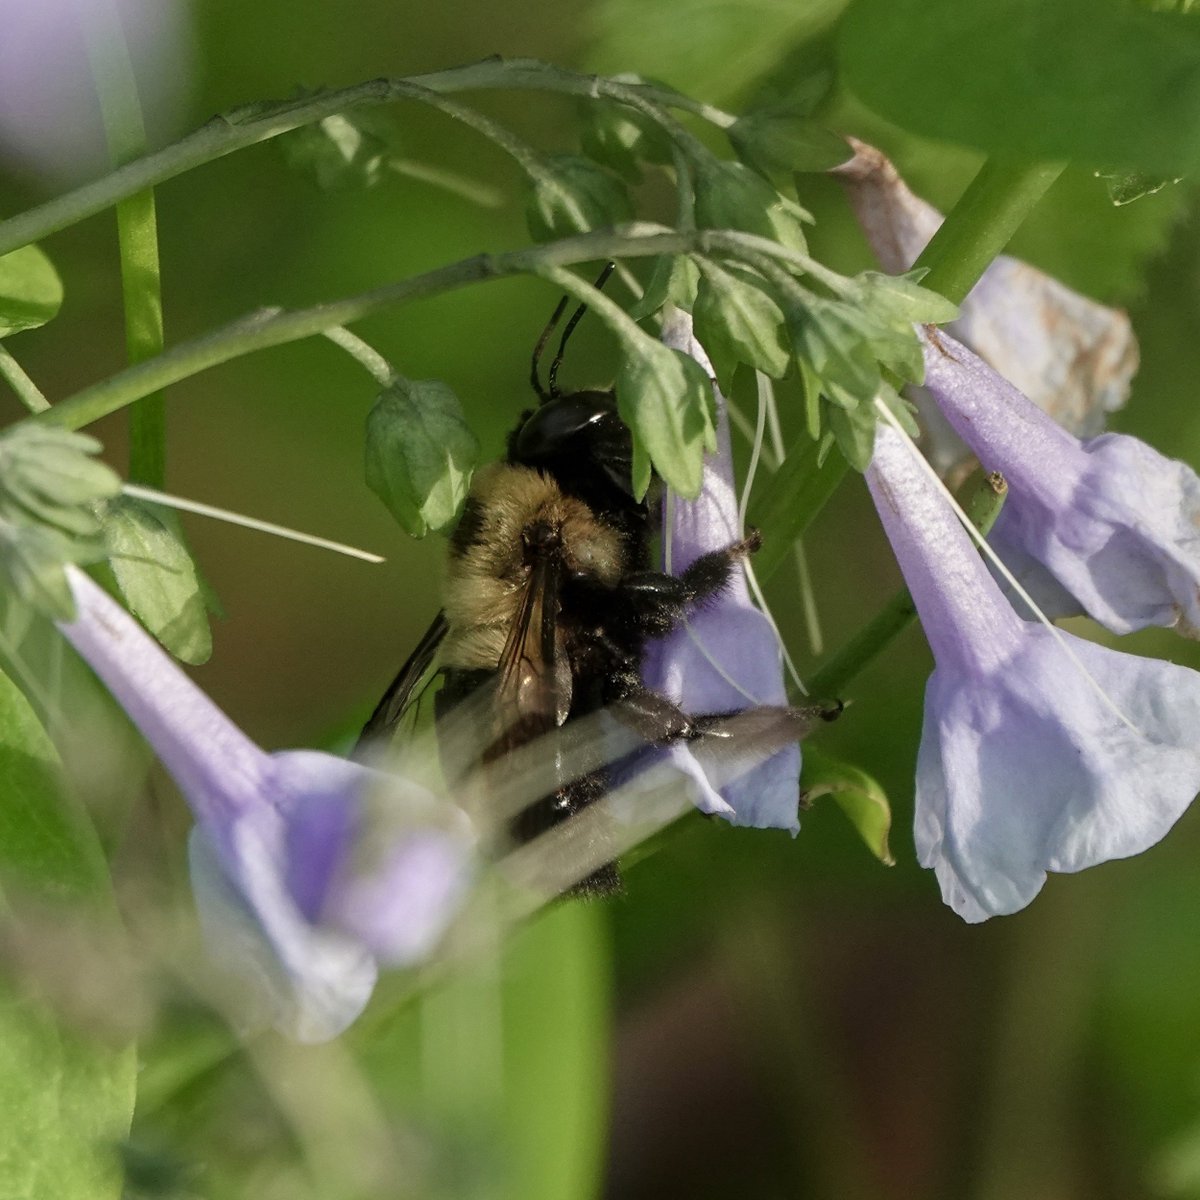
<point x="420" y="453"/>
<point x="730" y="195"/>
<point x="736" y="318"/>
<point x="157" y="577"/>
<point x="65" y="1100"/>
<point x="833" y="339"/>
<point x="778" y="141"/>
<point x="572" y="194"/>
<point x="859" y="796"/>
<point x="31" y="292"/>
<point x="665" y="399"/>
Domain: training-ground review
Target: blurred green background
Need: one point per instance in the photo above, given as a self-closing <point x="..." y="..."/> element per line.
<point x="788" y="1018"/>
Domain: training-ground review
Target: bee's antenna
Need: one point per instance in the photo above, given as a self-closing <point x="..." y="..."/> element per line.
<point x="576" y="317"/>
<point x="544" y="395"/>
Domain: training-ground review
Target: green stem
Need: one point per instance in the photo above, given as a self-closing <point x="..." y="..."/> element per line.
<point x="137" y="234"/>
<point x="275" y="327"/>
<point x="251" y="124"/>
<point x="27" y="391"/>
<point x="899" y="612"/>
<point x="982" y="223"/>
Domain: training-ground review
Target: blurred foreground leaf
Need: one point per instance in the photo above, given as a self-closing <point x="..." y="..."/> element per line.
<point x="65" y="1102"/>
<point x="1127" y="93"/>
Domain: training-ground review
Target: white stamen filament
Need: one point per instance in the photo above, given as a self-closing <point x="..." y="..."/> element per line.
<point x="221" y="514"/>
<point x="994" y="559"/>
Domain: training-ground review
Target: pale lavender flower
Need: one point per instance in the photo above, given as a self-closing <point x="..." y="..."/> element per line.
<point x="298" y="885"/>
<point x="1040" y="751"/>
<point x="1106" y="526"/>
<point x="728" y="656"/>
<point x="1074" y="358"/>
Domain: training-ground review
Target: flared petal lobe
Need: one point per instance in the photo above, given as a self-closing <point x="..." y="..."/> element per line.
<point x="1106" y="526"/>
<point x="728" y="657"/>
<point x="297" y="885"/>
<point x="1039" y="751"/>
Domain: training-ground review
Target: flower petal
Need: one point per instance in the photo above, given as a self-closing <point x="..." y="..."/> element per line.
<point x="727" y="657"/>
<point x="1113" y="523"/>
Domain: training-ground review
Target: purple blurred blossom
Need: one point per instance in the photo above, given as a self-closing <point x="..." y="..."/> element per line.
<point x="1024" y="767"/>
<point x="1106" y="526"/>
<point x="1072" y="357"/>
<point x="729" y="632"/>
<point x="297" y="884"/>
<point x="49" y="113"/>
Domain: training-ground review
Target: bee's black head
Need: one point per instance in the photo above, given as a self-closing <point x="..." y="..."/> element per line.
<point x="581" y="442"/>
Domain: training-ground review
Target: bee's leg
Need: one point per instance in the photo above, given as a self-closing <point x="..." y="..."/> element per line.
<point x="654" y="718"/>
<point x="657" y="602"/>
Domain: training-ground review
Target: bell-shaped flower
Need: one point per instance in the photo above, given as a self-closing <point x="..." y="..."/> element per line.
<point x="1106" y="526"/>
<point x="1040" y="751"/>
<point x="727" y="656"/>
<point x="1074" y="358"/>
<point x="300" y="885"/>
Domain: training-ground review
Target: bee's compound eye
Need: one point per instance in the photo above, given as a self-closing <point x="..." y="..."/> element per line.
<point x="561" y="421"/>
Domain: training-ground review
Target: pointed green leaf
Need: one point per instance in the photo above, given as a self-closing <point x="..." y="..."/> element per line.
<point x="622" y="138"/>
<point x="665" y="399"/>
<point x="30" y="290"/>
<point x="420" y="454"/>
<point x="859" y="796"/>
<point x="673" y="281"/>
<point x="157" y="577"/>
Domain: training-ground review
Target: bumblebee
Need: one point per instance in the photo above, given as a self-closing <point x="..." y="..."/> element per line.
<point x="550" y="599"/>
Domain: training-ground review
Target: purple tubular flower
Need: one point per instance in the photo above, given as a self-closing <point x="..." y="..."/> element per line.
<point x="1072" y="357"/>
<point x="290" y="892"/>
<point x="1106" y="526"/>
<point x="728" y="657"/>
<point x="1040" y="751"/>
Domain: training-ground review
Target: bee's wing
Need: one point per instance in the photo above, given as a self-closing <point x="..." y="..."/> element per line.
<point x="533" y="678"/>
<point x="412" y="679"/>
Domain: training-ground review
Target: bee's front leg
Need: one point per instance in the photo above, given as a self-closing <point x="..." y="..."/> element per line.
<point x="657" y="602"/>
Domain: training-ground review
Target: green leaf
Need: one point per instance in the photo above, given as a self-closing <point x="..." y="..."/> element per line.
<point x="157" y="577"/>
<point x="1099" y="82"/>
<point x="778" y="141"/>
<point x="341" y="151"/>
<point x="665" y="398"/>
<point x="901" y="300"/>
<point x="859" y="796"/>
<point x="737" y="319"/>
<point x="673" y="281"/>
<point x="65" y="1101"/>
<point x="572" y="194"/>
<point x="834" y="339"/>
<point x="730" y="195"/>
<point x="420" y="453"/>
<point x="30" y="290"/>
<point x="621" y="137"/>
